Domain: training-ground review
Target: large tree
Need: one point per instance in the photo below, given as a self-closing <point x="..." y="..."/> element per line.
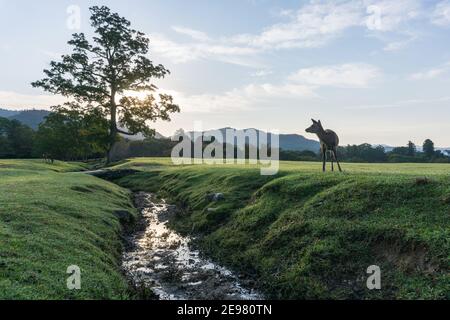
<point x="412" y="149"/>
<point x="100" y="72"/>
<point x="428" y="148"/>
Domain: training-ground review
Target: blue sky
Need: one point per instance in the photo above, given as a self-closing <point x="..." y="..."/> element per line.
<point x="374" y="71"/>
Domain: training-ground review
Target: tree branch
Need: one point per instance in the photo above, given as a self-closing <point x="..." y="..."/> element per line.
<point x="125" y="133"/>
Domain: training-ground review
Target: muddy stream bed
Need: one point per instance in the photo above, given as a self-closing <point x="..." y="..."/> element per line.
<point x="160" y="260"/>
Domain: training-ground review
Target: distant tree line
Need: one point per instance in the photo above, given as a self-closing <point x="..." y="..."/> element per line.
<point x="376" y="154"/>
<point x="82" y="134"/>
<point x="150" y="147"/>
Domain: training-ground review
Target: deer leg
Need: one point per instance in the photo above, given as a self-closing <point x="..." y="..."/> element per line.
<point x="324" y="158"/>
<point x="337" y="161"/>
<point x="332" y="162"/>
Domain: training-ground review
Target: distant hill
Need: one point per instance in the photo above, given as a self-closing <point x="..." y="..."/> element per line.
<point x="7" y="113"/>
<point x="31" y="118"/>
<point x="294" y="142"/>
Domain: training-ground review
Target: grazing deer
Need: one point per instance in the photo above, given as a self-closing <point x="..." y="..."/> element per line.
<point x="329" y="141"/>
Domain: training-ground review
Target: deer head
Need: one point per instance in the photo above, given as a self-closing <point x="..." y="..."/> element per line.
<point x="316" y="127"/>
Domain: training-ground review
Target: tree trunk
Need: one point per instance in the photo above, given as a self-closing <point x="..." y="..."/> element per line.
<point x="113" y="127"/>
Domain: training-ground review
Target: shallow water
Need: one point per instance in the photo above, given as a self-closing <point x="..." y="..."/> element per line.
<point x="160" y="259"/>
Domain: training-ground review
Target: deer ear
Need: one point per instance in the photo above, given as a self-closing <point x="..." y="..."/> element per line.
<point x="314" y="121"/>
<point x="319" y="122"/>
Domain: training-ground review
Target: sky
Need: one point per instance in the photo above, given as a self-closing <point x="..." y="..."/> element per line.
<point x="373" y="71"/>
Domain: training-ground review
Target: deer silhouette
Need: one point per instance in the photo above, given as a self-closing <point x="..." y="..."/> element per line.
<point x="329" y="141"/>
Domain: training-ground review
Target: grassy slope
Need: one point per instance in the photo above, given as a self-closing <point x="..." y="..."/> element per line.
<point x="50" y="219"/>
<point x="304" y="234"/>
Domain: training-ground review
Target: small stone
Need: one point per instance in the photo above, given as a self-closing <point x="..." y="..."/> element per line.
<point x="215" y="197"/>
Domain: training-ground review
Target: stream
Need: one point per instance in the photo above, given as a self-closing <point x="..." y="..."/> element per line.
<point x="160" y="260"/>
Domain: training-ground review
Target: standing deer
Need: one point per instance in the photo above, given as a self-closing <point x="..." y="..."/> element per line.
<point x="329" y="141"/>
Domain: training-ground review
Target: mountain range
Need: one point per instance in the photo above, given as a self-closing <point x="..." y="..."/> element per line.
<point x="4" y="113"/>
<point x="294" y="142"/>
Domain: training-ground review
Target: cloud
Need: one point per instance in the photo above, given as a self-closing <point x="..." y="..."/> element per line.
<point x="396" y="45"/>
<point x="388" y="15"/>
<point x="178" y="53"/>
<point x="399" y="41"/>
<point x="431" y="73"/>
<point x="191" y="51"/>
<point x="194" y="34"/>
<point x="441" y="14"/>
<point x="249" y="97"/>
<point x="319" y="22"/>
<point x="14" y="100"/>
<point x="399" y="104"/>
<point x="312" y="25"/>
<point x="301" y="85"/>
<point x="262" y="73"/>
<point x="350" y="75"/>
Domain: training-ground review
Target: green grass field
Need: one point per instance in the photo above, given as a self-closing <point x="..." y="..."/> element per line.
<point x="303" y="234"/>
<point x="50" y="219"/>
<point x="416" y="169"/>
<point x="300" y="234"/>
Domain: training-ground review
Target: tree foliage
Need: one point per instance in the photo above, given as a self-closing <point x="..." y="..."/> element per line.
<point x="412" y="149"/>
<point x="70" y="133"/>
<point x="362" y="153"/>
<point x="428" y="148"/>
<point x="16" y="139"/>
